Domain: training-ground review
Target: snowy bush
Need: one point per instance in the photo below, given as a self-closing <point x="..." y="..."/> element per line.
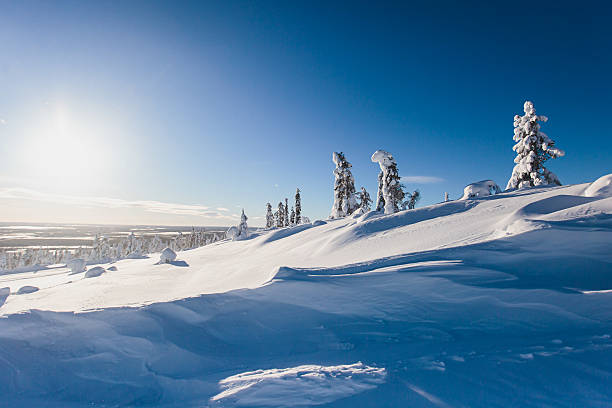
<point x="390" y="192"/>
<point x="602" y="187"/>
<point x="168" y="255"/>
<point x="480" y="189"/>
<point x="76" y="265"/>
<point x="533" y="148"/>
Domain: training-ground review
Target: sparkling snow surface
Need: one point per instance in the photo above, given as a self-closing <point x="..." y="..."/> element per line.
<point x="498" y="301"/>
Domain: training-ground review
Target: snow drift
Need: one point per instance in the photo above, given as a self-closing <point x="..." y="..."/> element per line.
<point x="497" y="301"/>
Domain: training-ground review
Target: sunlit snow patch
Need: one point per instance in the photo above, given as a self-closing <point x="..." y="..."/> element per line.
<point x="299" y="386"/>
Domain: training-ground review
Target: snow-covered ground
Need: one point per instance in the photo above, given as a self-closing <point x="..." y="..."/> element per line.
<point x="497" y="301"/>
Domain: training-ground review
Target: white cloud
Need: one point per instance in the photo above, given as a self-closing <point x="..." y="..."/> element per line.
<point x="222" y="209"/>
<point x="422" y="179"/>
<point x="106" y="202"/>
<point x="2" y="121"/>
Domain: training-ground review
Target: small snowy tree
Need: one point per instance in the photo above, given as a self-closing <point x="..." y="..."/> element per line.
<point x="365" y="202"/>
<point x="243" y="228"/>
<point x="286" y="215"/>
<point x="280" y="215"/>
<point x="532" y="149"/>
<point x="445" y="196"/>
<point x="413" y="199"/>
<point x="344" y="188"/>
<point x="298" y="206"/>
<point x="389" y="187"/>
<point x="269" y="216"/>
<point x="292" y="217"/>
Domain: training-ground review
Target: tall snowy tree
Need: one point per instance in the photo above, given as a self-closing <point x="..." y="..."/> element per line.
<point x="344" y="188"/>
<point x="533" y="147"/>
<point x="365" y="202"/>
<point x="280" y="215"/>
<point x="292" y="217"/>
<point x="269" y="216"/>
<point x="389" y="186"/>
<point x="298" y="206"/>
<point x="243" y="228"/>
<point x="286" y="219"/>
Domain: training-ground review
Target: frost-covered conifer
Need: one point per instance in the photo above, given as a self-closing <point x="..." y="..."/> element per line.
<point x="413" y="199"/>
<point x="298" y="206"/>
<point x="389" y="187"/>
<point x="280" y="215"/>
<point x="243" y="228"/>
<point x="286" y="218"/>
<point x="292" y="217"/>
<point x="344" y="188"/>
<point x="445" y="196"/>
<point x="365" y="202"/>
<point x="269" y="216"/>
<point x="532" y="149"/>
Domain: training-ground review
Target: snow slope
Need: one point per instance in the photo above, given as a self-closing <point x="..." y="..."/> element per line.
<point x="498" y="301"/>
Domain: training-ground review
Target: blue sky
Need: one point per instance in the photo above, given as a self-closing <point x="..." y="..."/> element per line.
<point x="183" y="113"/>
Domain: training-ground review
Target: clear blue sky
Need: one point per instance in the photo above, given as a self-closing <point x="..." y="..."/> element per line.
<point x="106" y="106"/>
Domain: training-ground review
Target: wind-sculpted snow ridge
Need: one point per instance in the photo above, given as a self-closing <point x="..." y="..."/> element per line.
<point x="305" y="385"/>
<point x="504" y="300"/>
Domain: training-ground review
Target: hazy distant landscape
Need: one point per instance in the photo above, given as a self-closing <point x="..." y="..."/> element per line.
<point x="17" y="236"/>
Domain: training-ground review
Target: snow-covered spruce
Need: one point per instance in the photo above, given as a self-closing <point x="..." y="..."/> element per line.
<point x="269" y="216"/>
<point x="365" y="202"/>
<point x="279" y="215"/>
<point x="286" y="215"/>
<point x="167" y="256"/>
<point x="412" y="200"/>
<point x="243" y="228"/>
<point x="298" y="206"/>
<point x="344" y="188"/>
<point x="480" y="189"/>
<point x="533" y="147"/>
<point x="390" y="192"/>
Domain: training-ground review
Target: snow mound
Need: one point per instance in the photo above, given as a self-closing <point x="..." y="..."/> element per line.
<point x="94" y="272"/>
<point x="318" y="223"/>
<point x="27" y="289"/>
<point x="167" y="256"/>
<point x="602" y="187"/>
<point x="480" y="189"/>
<point x="299" y="386"/>
<point x="76" y="265"/>
<point x="4" y="293"/>
<point x="112" y="268"/>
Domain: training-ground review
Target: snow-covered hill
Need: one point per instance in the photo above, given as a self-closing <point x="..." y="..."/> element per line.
<point x="498" y="301"/>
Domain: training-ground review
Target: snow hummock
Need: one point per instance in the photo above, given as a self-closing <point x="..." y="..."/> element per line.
<point x="602" y="187"/>
<point x="94" y="272"/>
<point x="304" y="385"/>
<point x="76" y="265"/>
<point x="167" y="256"/>
<point x="232" y="233"/>
<point x="502" y="301"/>
<point x="480" y="189"/>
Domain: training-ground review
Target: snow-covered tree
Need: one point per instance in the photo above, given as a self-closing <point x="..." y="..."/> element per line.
<point x="292" y="217"/>
<point x="269" y="216"/>
<point x="344" y="188"/>
<point x="280" y="215"/>
<point x="445" y="196"/>
<point x="298" y="206"/>
<point x="243" y="228"/>
<point x="390" y="192"/>
<point x="286" y="218"/>
<point x="533" y="147"/>
<point x="365" y="202"/>
<point x="413" y="199"/>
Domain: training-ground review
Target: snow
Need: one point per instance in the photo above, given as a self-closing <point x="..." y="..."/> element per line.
<point x="76" y="265"/>
<point x="288" y="387"/>
<point x="602" y="187"/>
<point x="167" y="256"/>
<point x="502" y="300"/>
<point x="27" y="289"/>
<point x="232" y="232"/>
<point x="480" y="189"/>
<point x="94" y="272"/>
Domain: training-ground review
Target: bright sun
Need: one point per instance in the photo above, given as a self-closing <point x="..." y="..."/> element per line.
<point x="63" y="151"/>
